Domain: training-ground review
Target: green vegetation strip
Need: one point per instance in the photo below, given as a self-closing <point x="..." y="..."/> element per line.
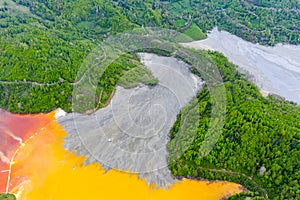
<point x="7" y="196"/>
<point x="44" y="43"/>
<point x="259" y="145"/>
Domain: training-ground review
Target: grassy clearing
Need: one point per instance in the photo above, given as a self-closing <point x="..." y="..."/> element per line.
<point x="195" y="32"/>
<point x="136" y="76"/>
<point x="180" y="22"/>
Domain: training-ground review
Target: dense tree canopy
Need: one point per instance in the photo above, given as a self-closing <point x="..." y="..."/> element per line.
<point x="44" y="43"/>
<point x="259" y="144"/>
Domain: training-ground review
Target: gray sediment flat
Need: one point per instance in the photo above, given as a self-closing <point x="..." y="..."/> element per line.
<point x="132" y="132"/>
<point x="274" y="70"/>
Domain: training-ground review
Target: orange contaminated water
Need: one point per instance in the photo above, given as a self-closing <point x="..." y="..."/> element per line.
<point x="43" y="170"/>
<point x="14" y="130"/>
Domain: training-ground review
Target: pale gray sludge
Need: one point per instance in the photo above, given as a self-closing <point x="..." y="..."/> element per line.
<point x="132" y="132"/>
<point x="273" y="69"/>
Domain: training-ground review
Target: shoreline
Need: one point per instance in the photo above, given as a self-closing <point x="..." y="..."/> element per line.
<point x="275" y="70"/>
<point x="132" y="131"/>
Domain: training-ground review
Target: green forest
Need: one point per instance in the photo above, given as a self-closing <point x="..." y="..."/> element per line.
<point x="44" y="43"/>
<point x="259" y="144"/>
<point x="7" y="197"/>
<point x="264" y="22"/>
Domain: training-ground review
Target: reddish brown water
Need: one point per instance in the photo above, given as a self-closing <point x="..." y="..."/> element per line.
<point x="15" y="129"/>
<point x="43" y="169"/>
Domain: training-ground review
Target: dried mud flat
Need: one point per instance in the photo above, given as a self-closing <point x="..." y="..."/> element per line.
<point x="132" y="132"/>
<point x="274" y="70"/>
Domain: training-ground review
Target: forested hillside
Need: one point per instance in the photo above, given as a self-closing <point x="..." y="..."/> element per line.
<point x="259" y="144"/>
<point x="265" y="22"/>
<point x="41" y="54"/>
<point x="43" y="43"/>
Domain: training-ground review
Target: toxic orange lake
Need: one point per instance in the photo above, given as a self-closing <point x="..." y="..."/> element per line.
<point x="34" y="166"/>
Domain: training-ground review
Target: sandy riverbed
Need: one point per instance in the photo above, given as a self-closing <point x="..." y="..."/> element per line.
<point x="273" y="69"/>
